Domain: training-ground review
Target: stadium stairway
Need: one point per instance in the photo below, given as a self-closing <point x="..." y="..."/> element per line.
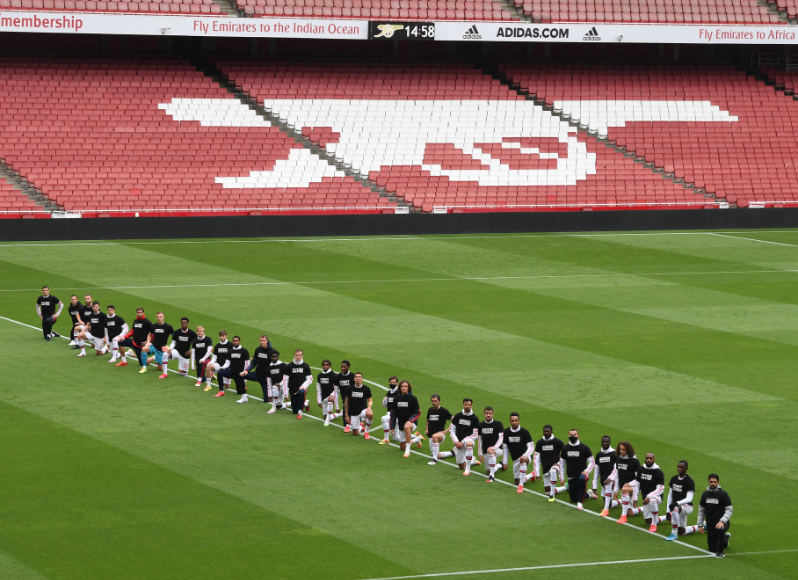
<point x="17" y="195"/>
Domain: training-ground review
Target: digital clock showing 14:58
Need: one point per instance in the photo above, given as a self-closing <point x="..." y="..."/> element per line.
<point x="401" y="31"/>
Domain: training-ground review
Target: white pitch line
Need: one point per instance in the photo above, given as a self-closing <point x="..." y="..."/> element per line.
<point x="388" y="238"/>
<point x="548" y="567"/>
<point x="752" y="240"/>
<point x="425" y="456"/>
<point x="763" y="552"/>
<point x="416" y="280"/>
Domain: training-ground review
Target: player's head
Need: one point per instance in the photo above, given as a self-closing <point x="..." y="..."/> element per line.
<point x="73" y="300"/>
<point x="547" y="431"/>
<point x="344" y="366"/>
<point x="573" y="435"/>
<point x="264" y="340"/>
<point x="95" y="306"/>
<point x="649" y="459"/>
<point x="298" y="355"/>
<point x="515" y="420"/>
<point x="681" y="467"/>
<point x="358" y="379"/>
<point x="275" y="355"/>
<point x="223" y="335"/>
<point x="625" y="448"/>
<point x="405" y="387"/>
<point x="159" y="317"/>
<point x="713" y="480"/>
<point x="139" y="313"/>
<point x="45" y="291"/>
<point x="605" y="442"/>
<point x="236" y="340"/>
<point x="326" y="365"/>
<point x="87" y="299"/>
<point x="393" y="381"/>
<point x="184" y="323"/>
<point x="111" y="310"/>
<point x="467" y="405"/>
<point x="488" y="413"/>
<point x="200" y="331"/>
<point x="435" y="399"/>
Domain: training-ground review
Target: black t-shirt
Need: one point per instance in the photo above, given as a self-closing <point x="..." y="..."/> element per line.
<point x="184" y="341"/>
<point x="141" y="330"/>
<point x="297" y="374"/>
<point x="325" y="383"/>
<point x="464" y="425"/>
<point x="605" y="463"/>
<point x="390" y="396"/>
<point x="276" y="373"/>
<point x="627" y="469"/>
<point x="650" y="479"/>
<point x="489" y="433"/>
<point x="405" y="409"/>
<point x="222" y="352"/>
<point x="261" y="359"/>
<point x="74" y="312"/>
<point x="113" y="324"/>
<point x="48" y="305"/>
<point x="201" y="346"/>
<point x="680" y="487"/>
<point x="436" y="419"/>
<point x="714" y="504"/>
<point x="576" y="457"/>
<point x="549" y="452"/>
<point x="358" y="399"/>
<point x="85" y="312"/>
<point x="517" y="442"/>
<point x="97" y="322"/>
<point x="160" y="335"/>
<point x="238" y="358"/>
<point x="344" y="382"/>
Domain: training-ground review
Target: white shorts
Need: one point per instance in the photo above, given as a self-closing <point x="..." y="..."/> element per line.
<point x="517" y="468"/>
<point x="635" y="487"/>
<point x="547" y="479"/>
<point x="499" y="452"/>
<point x="460" y="454"/>
<point x="97" y="342"/>
<point x="354" y="420"/>
<point x="608" y="489"/>
<point x="213" y="366"/>
<point x="680" y="518"/>
<point x="400" y="436"/>
<point x="651" y="506"/>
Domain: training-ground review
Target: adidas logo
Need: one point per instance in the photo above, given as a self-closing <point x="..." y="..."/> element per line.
<point x="472" y="34"/>
<point x="591" y="35"/>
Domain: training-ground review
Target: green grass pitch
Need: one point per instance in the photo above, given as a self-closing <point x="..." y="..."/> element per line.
<point x="684" y="343"/>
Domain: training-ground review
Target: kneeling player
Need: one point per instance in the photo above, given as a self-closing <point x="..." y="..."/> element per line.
<point x="135" y="338"/>
<point x="156" y="345"/>
<point x="73" y="309"/>
<point x="298" y="379"/>
<point x="220" y="355"/>
<point x="519" y="446"/>
<point x="115" y="329"/>
<point x="182" y="342"/>
<point x="576" y="460"/>
<point x="607" y="474"/>
<point x="276" y="382"/>
<point x="628" y="466"/>
<point x="491" y="442"/>
<point x="681" y="490"/>
<point x="463" y="432"/>
<point x="261" y="359"/>
<point x="387" y="401"/>
<point x="325" y="392"/>
<point x="234" y="369"/>
<point x="437" y="417"/>
<point x="547" y="462"/>
<point x="202" y="347"/>
<point x="94" y="331"/>
<point x="652" y="485"/>
<point x="405" y="412"/>
<point x="357" y="407"/>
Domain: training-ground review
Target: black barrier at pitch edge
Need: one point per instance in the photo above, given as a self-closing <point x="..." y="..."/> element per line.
<point x="18" y="230"/>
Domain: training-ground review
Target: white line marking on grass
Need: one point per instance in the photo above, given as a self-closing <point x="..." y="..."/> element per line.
<point x="752" y="240"/>
<point x="375" y="238"/>
<point x="426" y="456"/>
<point x="764" y="552"/>
<point x="415" y="280"/>
<point x="548" y="567"/>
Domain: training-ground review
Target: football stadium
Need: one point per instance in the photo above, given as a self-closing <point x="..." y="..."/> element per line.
<point x="397" y="289"/>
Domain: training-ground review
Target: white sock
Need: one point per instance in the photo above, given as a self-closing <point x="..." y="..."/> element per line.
<point x="560" y="489"/>
<point x="435" y="449"/>
<point x="469" y="458"/>
<point x="81" y="343"/>
<point x="522" y="473"/>
<point x="416" y="440"/>
<point x="82" y="350"/>
<point x="688" y="530"/>
<point x="491" y="464"/>
<point x="368" y="426"/>
<point x="633" y="511"/>
<point x="445" y="454"/>
<point x="386" y="426"/>
<point x="624" y="504"/>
